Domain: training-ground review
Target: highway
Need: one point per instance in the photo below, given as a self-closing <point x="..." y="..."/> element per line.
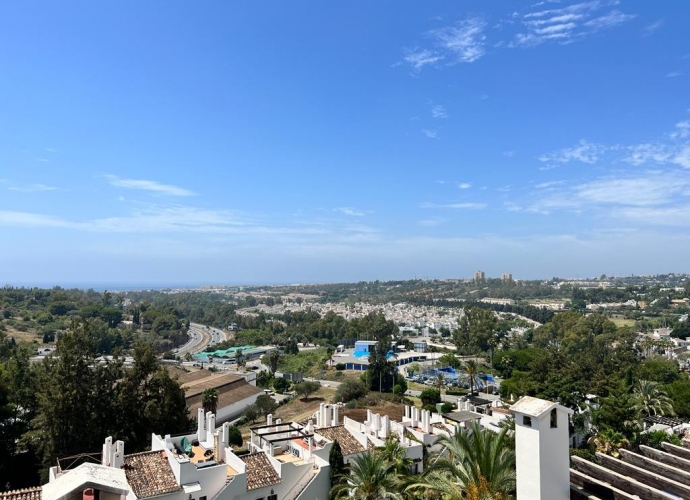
<point x="200" y="337"/>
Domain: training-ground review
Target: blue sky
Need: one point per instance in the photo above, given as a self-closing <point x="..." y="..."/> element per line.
<point x="171" y="142"/>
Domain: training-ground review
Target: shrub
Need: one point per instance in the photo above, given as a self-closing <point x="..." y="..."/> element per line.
<point x="397" y="389"/>
<point x="430" y="396"/>
<point x="281" y="385"/>
<point x="235" y="436"/>
<point x="350" y="389"/>
<point x="340" y="366"/>
<point x="447" y="407"/>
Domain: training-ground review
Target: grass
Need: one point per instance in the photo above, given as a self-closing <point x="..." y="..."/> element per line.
<point x="623" y="322"/>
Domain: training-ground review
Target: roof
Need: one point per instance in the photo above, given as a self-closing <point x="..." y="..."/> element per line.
<point x="210" y="381"/>
<point x="234" y="391"/>
<point x="477" y="401"/>
<point x="149" y="474"/>
<point x="87" y="475"/>
<point x="535" y="407"/>
<point x="348" y="443"/>
<point x="260" y="472"/>
<point x="23" y="494"/>
<point x="658" y="419"/>
<point x="461" y="416"/>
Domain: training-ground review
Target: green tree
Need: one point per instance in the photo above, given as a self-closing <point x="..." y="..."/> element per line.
<point x="265" y="405"/>
<point x="240" y="359"/>
<point x="306" y="388"/>
<point x="350" y="389"/>
<point x="280" y="385"/>
<point x="475" y="329"/>
<point x="449" y="360"/>
<point x="472" y="463"/>
<point x="251" y="412"/>
<point x="209" y="400"/>
<point x="608" y="441"/>
<point x="337" y="463"/>
<point x="371" y="477"/>
<point x="273" y="359"/>
<point x="650" y="399"/>
<point x="430" y="396"/>
<point x="235" y="436"/>
<point x="471" y="374"/>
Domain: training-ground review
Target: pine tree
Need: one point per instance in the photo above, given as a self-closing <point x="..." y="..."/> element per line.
<point x="335" y="460"/>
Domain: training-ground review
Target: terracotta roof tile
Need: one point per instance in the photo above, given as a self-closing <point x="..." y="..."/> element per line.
<point x="347" y="441"/>
<point x="23" y="494"/>
<point x="260" y="471"/>
<point x="149" y="474"/>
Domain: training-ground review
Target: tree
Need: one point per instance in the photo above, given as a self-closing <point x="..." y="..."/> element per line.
<point x="273" y="359"/>
<point x="371" y="477"/>
<point x="209" y="400"/>
<point x="265" y="405"/>
<point x="240" y="359"/>
<point x="306" y="388"/>
<point x="251" y="412"/>
<point x="472" y="463"/>
<point x="449" y="360"/>
<point x="350" y="389"/>
<point x="281" y="385"/>
<point x="337" y="463"/>
<point x="475" y="329"/>
<point x="396" y="455"/>
<point x="430" y="396"/>
<point x="471" y="374"/>
<point x="380" y="371"/>
<point x="608" y="441"/>
<point x="440" y="382"/>
<point x="235" y="436"/>
<point x="650" y="399"/>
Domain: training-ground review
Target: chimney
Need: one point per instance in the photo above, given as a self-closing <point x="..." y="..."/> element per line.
<point x="119" y="455"/>
<point x="335" y="415"/>
<point x="226" y="434"/>
<point x="541" y="449"/>
<point x="106" y="455"/>
<point x="269" y="419"/>
<point x="210" y="426"/>
<point x="200" y="425"/>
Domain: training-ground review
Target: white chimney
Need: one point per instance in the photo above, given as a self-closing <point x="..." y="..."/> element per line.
<point x="200" y="425"/>
<point x="226" y="434"/>
<point x="541" y="449"/>
<point x="322" y="416"/>
<point x="385" y="426"/>
<point x="106" y="455"/>
<point x="210" y="426"/>
<point x="269" y="419"/>
<point x="335" y="415"/>
<point x="119" y="455"/>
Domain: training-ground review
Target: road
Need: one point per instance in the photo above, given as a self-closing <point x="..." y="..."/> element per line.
<point x="200" y="337"/>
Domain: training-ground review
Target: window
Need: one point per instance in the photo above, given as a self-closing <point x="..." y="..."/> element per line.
<point x="262" y="498"/>
<point x="272" y="497"/>
<point x="554" y="419"/>
<point x="526" y="421"/>
<point x="202" y="498"/>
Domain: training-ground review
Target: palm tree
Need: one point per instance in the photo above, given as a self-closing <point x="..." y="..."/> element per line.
<point x="440" y="382"/>
<point x="609" y="442"/>
<point x="273" y="359"/>
<point x="209" y="400"/>
<point x="471" y="375"/>
<point x="650" y="399"/>
<point x="239" y="358"/>
<point x="473" y="463"/>
<point x="396" y="455"/>
<point x="371" y="477"/>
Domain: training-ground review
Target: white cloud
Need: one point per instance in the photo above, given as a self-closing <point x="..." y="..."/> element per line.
<point x="464" y="185"/>
<point x="465" y="41"/>
<point x="466" y="205"/>
<point x="566" y="25"/>
<point x="549" y="184"/>
<point x="350" y="211"/>
<point x="438" y="111"/>
<point x="683" y="157"/>
<point x="643" y="153"/>
<point x="51" y="150"/>
<point x="613" y="18"/>
<point x="509" y="154"/>
<point x="584" y="152"/>
<point x="431" y="134"/>
<point x="419" y="58"/>
<point x="682" y="130"/>
<point x="674" y="74"/>
<point x="43" y="160"/>
<point x="650" y="29"/>
<point x="145" y="185"/>
<point x="32" y="188"/>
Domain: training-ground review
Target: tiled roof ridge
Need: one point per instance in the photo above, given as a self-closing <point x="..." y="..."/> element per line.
<point x="21" y="490"/>
<point x="139" y="453"/>
<point x="29" y="493"/>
